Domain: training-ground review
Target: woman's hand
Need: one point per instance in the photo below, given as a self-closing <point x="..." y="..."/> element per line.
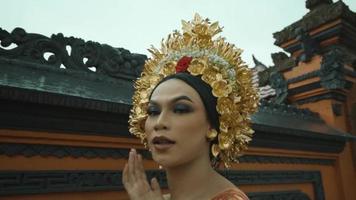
<point x="135" y="180"/>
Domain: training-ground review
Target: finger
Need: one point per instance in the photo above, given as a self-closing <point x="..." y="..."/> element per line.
<point x="155" y="186"/>
<point x="141" y="175"/>
<point x="125" y="176"/>
<point x="136" y="163"/>
<point x="131" y="167"/>
<point x="140" y="169"/>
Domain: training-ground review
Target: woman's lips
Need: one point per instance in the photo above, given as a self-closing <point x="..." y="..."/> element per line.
<point x="162" y="143"/>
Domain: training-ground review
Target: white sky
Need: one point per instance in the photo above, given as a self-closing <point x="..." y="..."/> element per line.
<point x="137" y="24"/>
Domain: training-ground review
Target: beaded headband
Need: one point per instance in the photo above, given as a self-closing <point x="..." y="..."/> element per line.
<point x="219" y="64"/>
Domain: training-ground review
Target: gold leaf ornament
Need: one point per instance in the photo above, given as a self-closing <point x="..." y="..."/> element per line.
<point x="219" y="64"/>
<point x="212" y="134"/>
<point x="197" y="66"/>
<point x="168" y="68"/>
<point x="215" y="150"/>
<point x="224" y="141"/>
<point x="221" y="87"/>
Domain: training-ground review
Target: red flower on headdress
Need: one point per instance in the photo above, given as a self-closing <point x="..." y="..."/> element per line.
<point x="183" y="64"/>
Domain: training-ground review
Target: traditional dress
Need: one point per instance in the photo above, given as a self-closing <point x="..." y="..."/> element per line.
<point x="231" y="194"/>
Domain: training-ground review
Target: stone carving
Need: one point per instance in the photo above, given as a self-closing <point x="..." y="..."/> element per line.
<point x="308" y="45"/>
<point x="268" y="82"/>
<point x="259" y="66"/>
<point x="271" y="82"/>
<point x="282" y="61"/>
<point x="259" y="79"/>
<point x="332" y="70"/>
<point x="312" y="20"/>
<point x="70" y="53"/>
<point x="311" y="4"/>
<point x="280" y="85"/>
<point x="279" y="57"/>
<point x="288" y="110"/>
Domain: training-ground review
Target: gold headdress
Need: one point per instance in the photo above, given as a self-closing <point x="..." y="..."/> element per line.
<point x="219" y="64"/>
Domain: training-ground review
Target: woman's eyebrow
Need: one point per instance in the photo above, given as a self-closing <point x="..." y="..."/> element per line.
<point x="183" y="97"/>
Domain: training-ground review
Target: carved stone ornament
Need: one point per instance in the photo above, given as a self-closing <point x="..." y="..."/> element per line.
<point x="332" y="70"/>
<point x="278" y="82"/>
<point x="311" y="4"/>
<point x="289" y="110"/>
<point x="322" y="12"/>
<point x="282" y="61"/>
<point x="70" y="53"/>
<point x="309" y="46"/>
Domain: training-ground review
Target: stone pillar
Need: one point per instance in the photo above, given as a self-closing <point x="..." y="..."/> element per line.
<point x="323" y="76"/>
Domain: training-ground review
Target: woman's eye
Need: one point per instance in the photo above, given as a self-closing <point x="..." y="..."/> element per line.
<point x="152" y="111"/>
<point x="179" y="108"/>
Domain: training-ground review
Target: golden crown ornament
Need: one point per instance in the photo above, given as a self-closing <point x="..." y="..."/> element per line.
<point x="219" y="64"/>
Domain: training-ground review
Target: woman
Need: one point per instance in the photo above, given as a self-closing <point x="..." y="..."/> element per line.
<point x="191" y="109"/>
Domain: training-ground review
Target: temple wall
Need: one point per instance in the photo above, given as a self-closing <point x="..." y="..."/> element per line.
<point x="313" y="170"/>
<point x="63" y="131"/>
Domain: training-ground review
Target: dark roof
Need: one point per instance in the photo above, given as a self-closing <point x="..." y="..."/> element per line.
<point x="283" y="116"/>
<point x="28" y="82"/>
<point x="66" y="73"/>
<point x="287" y="127"/>
<point x="43" y="84"/>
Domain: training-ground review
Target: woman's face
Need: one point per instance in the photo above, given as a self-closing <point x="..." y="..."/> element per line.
<point x="177" y="124"/>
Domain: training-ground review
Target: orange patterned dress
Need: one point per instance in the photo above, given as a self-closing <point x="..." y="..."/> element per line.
<point x="231" y="194"/>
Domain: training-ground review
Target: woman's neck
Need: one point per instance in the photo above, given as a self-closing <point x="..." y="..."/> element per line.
<point x="188" y="179"/>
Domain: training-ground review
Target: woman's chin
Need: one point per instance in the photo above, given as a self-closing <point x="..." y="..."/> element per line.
<point x="163" y="162"/>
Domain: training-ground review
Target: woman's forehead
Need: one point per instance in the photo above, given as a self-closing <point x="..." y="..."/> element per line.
<point x="173" y="88"/>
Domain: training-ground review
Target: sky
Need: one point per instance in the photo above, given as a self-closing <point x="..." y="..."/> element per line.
<point x="137" y="24"/>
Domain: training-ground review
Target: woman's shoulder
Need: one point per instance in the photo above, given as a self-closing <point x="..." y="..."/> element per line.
<point x="231" y="194"/>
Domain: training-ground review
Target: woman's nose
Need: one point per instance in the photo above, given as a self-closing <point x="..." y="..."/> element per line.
<point x="162" y="122"/>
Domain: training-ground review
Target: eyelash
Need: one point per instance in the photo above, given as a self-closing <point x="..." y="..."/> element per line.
<point x="179" y="109"/>
<point x="152" y="111"/>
